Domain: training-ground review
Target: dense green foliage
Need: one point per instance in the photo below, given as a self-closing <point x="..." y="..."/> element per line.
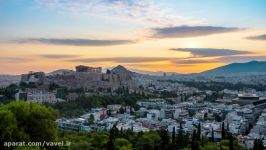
<point x="21" y="121"/>
<point x="7" y="94"/>
<point x="84" y="103"/>
<point x="258" y="144"/>
<point x="153" y="140"/>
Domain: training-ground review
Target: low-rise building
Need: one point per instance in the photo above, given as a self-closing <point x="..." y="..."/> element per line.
<point x="245" y="99"/>
<point x="181" y="114"/>
<point x="72" y="124"/>
<point x="154" y="114"/>
<point x="151" y="103"/>
<point x="210" y="128"/>
<point x="114" y="108"/>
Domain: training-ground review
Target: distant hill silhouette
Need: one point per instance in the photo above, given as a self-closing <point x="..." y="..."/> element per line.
<point x="121" y="70"/>
<point x="248" y="67"/>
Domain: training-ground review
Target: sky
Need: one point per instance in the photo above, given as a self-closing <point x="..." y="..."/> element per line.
<point x="183" y="36"/>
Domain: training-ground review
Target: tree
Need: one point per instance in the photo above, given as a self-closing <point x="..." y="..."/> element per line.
<point x="53" y="86"/>
<point x="144" y="143"/>
<point x="27" y="148"/>
<point x="227" y="127"/>
<point x="113" y="134"/>
<point x="212" y="136"/>
<point x="8" y="128"/>
<point x="165" y="139"/>
<point x="122" y="144"/>
<point x="180" y="138"/>
<point x="110" y="143"/>
<point x="27" y="122"/>
<point x="9" y="92"/>
<point x="186" y="140"/>
<point x="223" y="131"/>
<point x="84" y="141"/>
<point x="204" y="140"/>
<point x="231" y="142"/>
<point x="258" y="144"/>
<point x="198" y="132"/>
<point x="205" y="116"/>
<point x="91" y="119"/>
<point x="149" y="140"/>
<point x="173" y="138"/>
<point x="255" y="144"/>
<point x="217" y="117"/>
<point x="121" y="110"/>
<point x="194" y="142"/>
<point x="210" y="146"/>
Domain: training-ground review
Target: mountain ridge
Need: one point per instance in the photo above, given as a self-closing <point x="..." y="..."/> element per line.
<point x="246" y="67"/>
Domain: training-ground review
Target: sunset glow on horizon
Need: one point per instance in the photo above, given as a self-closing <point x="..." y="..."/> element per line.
<point x="182" y="36"/>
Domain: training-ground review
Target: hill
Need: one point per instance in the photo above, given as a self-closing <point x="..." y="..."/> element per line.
<point x="121" y="70"/>
<point x="248" y="67"/>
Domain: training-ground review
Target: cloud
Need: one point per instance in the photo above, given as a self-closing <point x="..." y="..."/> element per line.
<point x="193" y="61"/>
<point x="190" y="31"/>
<point x="123" y="59"/>
<point x="58" y="56"/>
<point x="258" y="37"/>
<point x="228" y="56"/>
<point x="74" y="42"/>
<point x="145" y="61"/>
<point x="147" y="12"/>
<point x="210" y="52"/>
<point x="14" y="60"/>
<point x="149" y="66"/>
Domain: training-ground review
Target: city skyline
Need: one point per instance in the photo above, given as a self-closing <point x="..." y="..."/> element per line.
<point x="184" y="36"/>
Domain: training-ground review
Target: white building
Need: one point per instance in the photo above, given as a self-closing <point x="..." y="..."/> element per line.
<point x="153" y="103"/>
<point x="154" y="114"/>
<point x="207" y="129"/>
<point x="181" y="114"/>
